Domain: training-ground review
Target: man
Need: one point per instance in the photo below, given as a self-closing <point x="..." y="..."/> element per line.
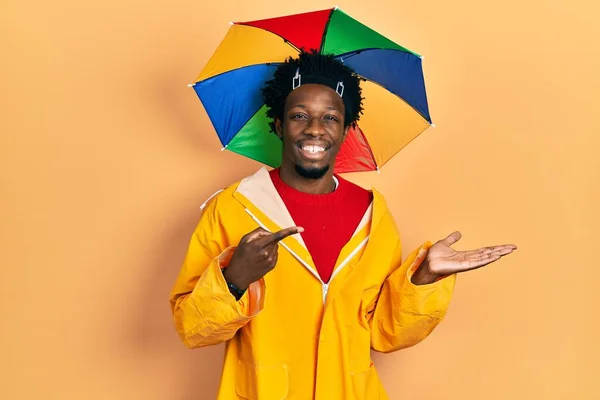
<point x="299" y="271"/>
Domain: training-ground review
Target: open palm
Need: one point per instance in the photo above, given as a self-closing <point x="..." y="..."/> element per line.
<point x="444" y="260"/>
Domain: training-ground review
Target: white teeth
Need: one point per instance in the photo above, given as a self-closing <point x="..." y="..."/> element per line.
<point x="313" y="149"/>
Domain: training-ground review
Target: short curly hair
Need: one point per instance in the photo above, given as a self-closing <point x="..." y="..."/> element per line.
<point x="276" y="90"/>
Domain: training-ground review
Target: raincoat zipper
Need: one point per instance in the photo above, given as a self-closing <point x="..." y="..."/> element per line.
<point x="324" y="286"/>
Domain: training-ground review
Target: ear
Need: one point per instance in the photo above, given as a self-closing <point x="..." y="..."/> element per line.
<point x="278" y="127"/>
<point x="346" y="129"/>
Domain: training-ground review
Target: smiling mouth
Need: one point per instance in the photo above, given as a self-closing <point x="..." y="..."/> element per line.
<point x="312" y="151"/>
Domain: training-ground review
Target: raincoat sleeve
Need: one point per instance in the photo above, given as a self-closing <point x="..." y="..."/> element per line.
<point x="404" y="313"/>
<point x="204" y="311"/>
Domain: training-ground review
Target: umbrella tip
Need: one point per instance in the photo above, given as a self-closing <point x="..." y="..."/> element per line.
<point x="433" y="125"/>
<point x="378" y="171"/>
<point x="335" y="7"/>
<point x="231" y="23"/>
<point x="223" y="148"/>
<point x="190" y="84"/>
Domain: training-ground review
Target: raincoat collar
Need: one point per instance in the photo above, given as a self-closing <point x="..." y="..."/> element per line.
<point x="262" y="201"/>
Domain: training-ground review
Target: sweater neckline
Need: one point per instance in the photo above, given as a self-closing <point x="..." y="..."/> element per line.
<point x="326" y="199"/>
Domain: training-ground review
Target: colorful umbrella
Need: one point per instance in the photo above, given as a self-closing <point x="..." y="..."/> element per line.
<point x="395" y="104"/>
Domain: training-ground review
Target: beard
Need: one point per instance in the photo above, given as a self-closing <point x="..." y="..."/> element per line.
<point x="311" y="172"/>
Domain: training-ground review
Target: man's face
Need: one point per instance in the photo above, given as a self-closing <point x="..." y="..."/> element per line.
<point x="312" y="129"/>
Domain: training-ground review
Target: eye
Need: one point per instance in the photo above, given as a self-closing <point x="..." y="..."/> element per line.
<point x="298" y="116"/>
<point x="331" y="118"/>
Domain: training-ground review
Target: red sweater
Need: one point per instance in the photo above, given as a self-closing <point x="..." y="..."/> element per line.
<point x="329" y="220"/>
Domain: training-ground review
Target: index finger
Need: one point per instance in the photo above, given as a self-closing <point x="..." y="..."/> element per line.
<point x="280" y="235"/>
<point x="492" y="249"/>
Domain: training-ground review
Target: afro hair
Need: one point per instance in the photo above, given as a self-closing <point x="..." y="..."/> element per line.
<point x="276" y="90"/>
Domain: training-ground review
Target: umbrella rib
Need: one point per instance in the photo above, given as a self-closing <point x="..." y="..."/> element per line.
<point x="237" y="69"/>
<point x="325" y="31"/>
<point x="244" y="124"/>
<point x="250" y="65"/>
<point x="362" y="134"/>
<point x="273" y="33"/>
<point x="343" y="57"/>
<point x="370" y="149"/>
<point x="397" y="95"/>
<point x="357" y="52"/>
<point x="407" y="143"/>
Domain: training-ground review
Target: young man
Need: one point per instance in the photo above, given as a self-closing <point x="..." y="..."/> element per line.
<point x="299" y="271"/>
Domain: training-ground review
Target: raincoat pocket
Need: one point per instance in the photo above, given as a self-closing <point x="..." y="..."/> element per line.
<point x="365" y="383"/>
<point x="262" y="382"/>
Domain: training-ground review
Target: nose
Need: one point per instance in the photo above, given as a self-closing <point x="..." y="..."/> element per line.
<point x="314" y="127"/>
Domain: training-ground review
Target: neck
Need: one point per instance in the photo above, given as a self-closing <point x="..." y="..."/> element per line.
<point x="290" y="177"/>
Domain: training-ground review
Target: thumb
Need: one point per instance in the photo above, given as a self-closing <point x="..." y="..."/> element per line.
<point x="255" y="234"/>
<point x="452" y="238"/>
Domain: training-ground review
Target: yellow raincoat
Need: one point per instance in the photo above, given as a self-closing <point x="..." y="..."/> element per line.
<point x="291" y="336"/>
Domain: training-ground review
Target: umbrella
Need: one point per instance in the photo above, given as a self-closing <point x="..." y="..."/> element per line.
<point x="395" y="101"/>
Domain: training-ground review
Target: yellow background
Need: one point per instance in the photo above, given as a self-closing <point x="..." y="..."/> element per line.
<point x="106" y="156"/>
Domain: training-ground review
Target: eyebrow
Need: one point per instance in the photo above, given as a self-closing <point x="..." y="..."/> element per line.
<point x="304" y="107"/>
